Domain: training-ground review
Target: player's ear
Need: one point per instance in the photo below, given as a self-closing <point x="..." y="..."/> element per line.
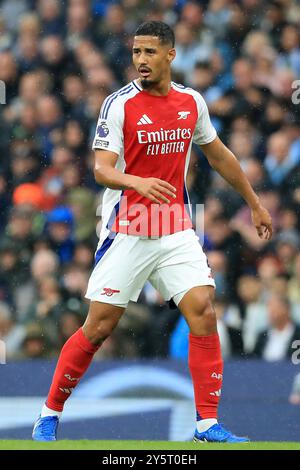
<point x="171" y="55"/>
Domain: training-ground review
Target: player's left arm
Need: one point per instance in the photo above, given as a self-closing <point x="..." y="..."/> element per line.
<point x="226" y="164"/>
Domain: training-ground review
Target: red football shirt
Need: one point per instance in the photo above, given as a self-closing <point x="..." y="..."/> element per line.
<point x="152" y="136"/>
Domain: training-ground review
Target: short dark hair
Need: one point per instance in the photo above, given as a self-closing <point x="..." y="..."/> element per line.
<point x="158" y="29"/>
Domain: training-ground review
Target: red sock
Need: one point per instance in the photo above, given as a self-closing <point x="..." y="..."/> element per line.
<point x="206" y="368"/>
<point x="75" y="357"/>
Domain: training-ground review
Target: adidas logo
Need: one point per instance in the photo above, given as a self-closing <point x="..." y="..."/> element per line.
<point x="217" y="393"/>
<point x="144" y="120"/>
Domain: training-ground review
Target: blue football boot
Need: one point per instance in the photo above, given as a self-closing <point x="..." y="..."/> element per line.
<point x="217" y="433"/>
<point x="45" y="429"/>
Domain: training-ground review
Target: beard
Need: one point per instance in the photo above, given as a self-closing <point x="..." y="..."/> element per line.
<point x="147" y="83"/>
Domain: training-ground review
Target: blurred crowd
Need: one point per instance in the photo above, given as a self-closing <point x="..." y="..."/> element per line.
<point x="59" y="60"/>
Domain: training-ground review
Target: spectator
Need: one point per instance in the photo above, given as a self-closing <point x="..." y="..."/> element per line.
<point x="74" y="280"/>
<point x="51" y="180"/>
<point x="44" y="262"/>
<point x="57" y="60"/>
<point x="269" y="268"/>
<point x="290" y="46"/>
<point x="114" y="38"/>
<point x="50" y="12"/>
<point x="24" y="168"/>
<point x="253" y="306"/>
<point x="29" y="25"/>
<point x="276" y="343"/>
<point x="46" y="307"/>
<point x="12" y="10"/>
<point x="294" y="283"/>
<point x="35" y="345"/>
<point x="218" y="262"/>
<point x="28" y="53"/>
<point x="9" y="75"/>
<point x="6" y="39"/>
<point x="4" y="202"/>
<point x="28" y="195"/>
<point x="74" y="95"/>
<point x="279" y="162"/>
<point x="188" y="50"/>
<point x="84" y="255"/>
<point x="50" y="118"/>
<point x="78" y="24"/>
<point x="81" y="201"/>
<point x="59" y="232"/>
<point x="10" y="273"/>
<point x="288" y="243"/>
<point x="69" y="322"/>
<point x="20" y="231"/>
<point x="11" y="332"/>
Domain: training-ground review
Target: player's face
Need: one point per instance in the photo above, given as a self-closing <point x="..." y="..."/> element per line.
<point x="152" y="59"/>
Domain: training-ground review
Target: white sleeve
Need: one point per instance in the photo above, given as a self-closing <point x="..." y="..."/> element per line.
<point x="109" y="130"/>
<point x="204" y="130"/>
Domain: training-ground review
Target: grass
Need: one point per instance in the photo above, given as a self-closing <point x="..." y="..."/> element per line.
<point x="142" y="445"/>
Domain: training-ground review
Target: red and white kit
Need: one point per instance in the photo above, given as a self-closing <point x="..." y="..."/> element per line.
<point x="140" y="240"/>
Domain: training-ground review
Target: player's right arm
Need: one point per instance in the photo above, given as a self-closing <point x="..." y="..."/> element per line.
<point x="106" y="174"/>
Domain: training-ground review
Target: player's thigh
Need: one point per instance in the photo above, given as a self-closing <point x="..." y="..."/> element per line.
<point x="121" y="272"/>
<point x="183" y="267"/>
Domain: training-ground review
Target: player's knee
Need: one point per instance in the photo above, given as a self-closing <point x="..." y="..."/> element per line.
<point x="206" y="312"/>
<point x="209" y="315"/>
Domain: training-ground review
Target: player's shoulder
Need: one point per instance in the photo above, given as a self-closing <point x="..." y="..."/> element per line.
<point x="200" y="102"/>
<point x="118" y="98"/>
<point x="188" y="90"/>
<point x="125" y="90"/>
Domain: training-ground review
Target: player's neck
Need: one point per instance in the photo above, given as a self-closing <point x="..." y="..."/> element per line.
<point x="157" y="89"/>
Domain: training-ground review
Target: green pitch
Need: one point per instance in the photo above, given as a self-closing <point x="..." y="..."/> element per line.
<point x="143" y="445"/>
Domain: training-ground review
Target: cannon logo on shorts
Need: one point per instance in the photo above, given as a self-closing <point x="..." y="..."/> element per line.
<point x="109" y="292"/>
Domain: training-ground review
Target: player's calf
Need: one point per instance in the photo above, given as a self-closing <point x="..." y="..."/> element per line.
<point x="75" y="357"/>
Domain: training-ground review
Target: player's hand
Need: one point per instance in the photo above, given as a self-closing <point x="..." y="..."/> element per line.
<point x="155" y="189"/>
<point x="262" y="221"/>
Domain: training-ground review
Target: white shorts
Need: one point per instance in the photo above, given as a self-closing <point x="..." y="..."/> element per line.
<point x="173" y="264"/>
